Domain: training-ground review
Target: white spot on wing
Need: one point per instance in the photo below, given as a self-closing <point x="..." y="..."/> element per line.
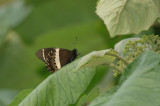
<point x="57" y="59"/>
<point x="43" y="54"/>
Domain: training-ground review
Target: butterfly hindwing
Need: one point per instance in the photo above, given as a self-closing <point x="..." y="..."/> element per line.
<point x="50" y="61"/>
<point x="48" y="56"/>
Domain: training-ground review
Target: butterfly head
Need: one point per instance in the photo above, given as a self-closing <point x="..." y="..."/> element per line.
<point x="75" y="52"/>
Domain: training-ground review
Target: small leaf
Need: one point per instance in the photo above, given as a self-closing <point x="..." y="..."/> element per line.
<point x="104" y="98"/>
<point x="93" y="94"/>
<point x="128" y="16"/>
<point x="86" y="99"/>
<point x="82" y="101"/>
<point x="96" y="58"/>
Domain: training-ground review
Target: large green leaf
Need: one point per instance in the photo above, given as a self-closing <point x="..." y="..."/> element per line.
<point x="61" y="88"/>
<point x="139" y="84"/>
<point x="11" y="15"/>
<point x="128" y="16"/>
<point x="66" y="85"/>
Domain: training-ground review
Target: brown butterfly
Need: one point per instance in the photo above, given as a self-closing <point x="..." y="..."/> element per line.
<point x="55" y="58"/>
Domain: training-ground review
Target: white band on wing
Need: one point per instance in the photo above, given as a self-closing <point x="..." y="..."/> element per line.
<point x="57" y="59"/>
<point x="43" y="55"/>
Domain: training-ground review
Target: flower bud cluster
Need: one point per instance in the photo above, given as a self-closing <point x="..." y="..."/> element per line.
<point x="134" y="48"/>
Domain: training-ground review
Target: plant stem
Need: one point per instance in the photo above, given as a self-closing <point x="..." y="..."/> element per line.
<point x="115" y="67"/>
<point x="124" y="61"/>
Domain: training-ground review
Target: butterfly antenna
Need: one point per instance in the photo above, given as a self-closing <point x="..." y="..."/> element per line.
<point x="74" y="43"/>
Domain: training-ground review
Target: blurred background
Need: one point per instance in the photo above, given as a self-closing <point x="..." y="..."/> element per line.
<point x="29" y="25"/>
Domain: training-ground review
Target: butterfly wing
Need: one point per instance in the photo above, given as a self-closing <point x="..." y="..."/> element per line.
<point x="55" y="58"/>
<point x="43" y="53"/>
<point x="48" y="56"/>
<point x="51" y="61"/>
<point x="66" y="56"/>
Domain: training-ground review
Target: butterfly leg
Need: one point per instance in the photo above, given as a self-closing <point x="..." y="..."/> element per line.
<point x="45" y="68"/>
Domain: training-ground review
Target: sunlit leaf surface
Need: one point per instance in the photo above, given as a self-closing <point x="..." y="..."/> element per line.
<point x="128" y="16"/>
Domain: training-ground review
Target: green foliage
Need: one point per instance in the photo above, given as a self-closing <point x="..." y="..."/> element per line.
<point x="24" y="67"/>
<point x="97" y="58"/>
<point x="128" y="16"/>
<point x="66" y="85"/>
<point x="102" y="99"/>
<point x="56" y="24"/>
<point x="134" y="48"/>
<point x="139" y="84"/>
<point x="86" y="99"/>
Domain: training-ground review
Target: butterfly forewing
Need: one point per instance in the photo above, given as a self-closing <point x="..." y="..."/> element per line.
<point x="66" y="56"/>
<point x="43" y="53"/>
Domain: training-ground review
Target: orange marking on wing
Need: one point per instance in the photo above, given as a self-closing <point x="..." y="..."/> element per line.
<point x="47" y="59"/>
<point x="51" y="69"/>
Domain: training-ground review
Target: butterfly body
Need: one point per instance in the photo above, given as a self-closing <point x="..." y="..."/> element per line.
<point x="55" y="58"/>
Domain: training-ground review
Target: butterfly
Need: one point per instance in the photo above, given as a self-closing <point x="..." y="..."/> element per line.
<point x="55" y="58"/>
